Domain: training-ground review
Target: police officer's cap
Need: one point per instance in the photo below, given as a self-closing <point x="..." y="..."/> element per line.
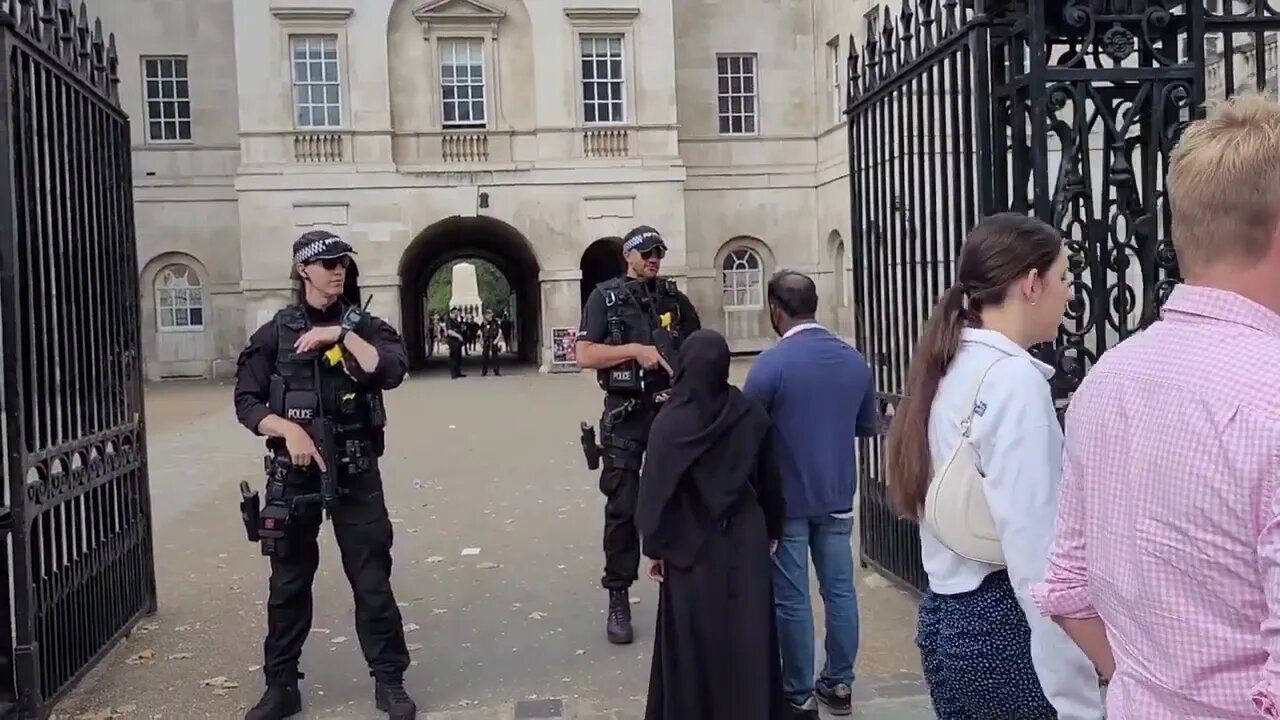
<point x="319" y="245"/>
<point x="642" y="239"/>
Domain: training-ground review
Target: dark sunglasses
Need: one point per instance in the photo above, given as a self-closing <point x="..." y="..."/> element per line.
<point x="658" y="252"/>
<point x="334" y="263"/>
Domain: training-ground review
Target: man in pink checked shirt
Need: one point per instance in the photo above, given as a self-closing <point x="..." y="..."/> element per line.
<point x="1166" y="568"/>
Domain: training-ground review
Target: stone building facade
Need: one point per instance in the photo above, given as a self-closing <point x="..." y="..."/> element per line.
<point x="531" y="133"/>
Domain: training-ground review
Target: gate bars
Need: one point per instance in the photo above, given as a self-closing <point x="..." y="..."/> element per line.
<point x="1064" y="109"/>
<point x="79" y="558"/>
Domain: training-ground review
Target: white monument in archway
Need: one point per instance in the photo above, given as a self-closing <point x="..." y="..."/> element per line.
<point x="466" y="291"/>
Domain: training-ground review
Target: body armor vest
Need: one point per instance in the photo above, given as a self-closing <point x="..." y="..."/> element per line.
<point x="632" y="314"/>
<point x="313" y="384"/>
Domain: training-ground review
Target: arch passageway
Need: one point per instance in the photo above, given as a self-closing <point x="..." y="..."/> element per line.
<point x="601" y="261"/>
<point x="458" y="238"/>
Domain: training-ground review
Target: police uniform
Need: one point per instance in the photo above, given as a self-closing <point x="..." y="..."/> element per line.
<point x="455" y="334"/>
<point x="490" y="331"/>
<point x="621" y="311"/>
<point x="328" y="394"/>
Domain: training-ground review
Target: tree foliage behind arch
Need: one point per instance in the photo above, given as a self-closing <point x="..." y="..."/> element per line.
<point x="495" y="291"/>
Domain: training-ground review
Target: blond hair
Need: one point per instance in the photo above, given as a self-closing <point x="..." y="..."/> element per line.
<point x="1224" y="181"/>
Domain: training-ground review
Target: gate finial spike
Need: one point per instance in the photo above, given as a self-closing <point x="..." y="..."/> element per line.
<point x="46" y="30"/>
<point x="27" y="16"/>
<point x="925" y="21"/>
<point x="80" y="62"/>
<point x="907" y="39"/>
<point x="66" y="32"/>
<point x="113" y="69"/>
<point x="950" y="23"/>
<point x="872" y="62"/>
<point x="98" y="73"/>
<point x="889" y="51"/>
<point x="851" y="74"/>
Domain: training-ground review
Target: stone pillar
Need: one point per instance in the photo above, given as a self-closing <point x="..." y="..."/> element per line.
<point x="262" y="300"/>
<point x="385" y="291"/>
<point x="561" y="308"/>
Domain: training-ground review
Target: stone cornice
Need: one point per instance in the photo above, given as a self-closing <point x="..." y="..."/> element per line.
<point x="313" y="14"/>
<point x="458" y="13"/>
<point x="589" y="14"/>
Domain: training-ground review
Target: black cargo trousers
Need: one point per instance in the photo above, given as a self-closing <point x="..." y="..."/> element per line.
<point x="489" y="358"/>
<point x="623" y="441"/>
<point x="362" y="528"/>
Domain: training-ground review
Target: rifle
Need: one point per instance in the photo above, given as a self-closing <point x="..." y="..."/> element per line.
<point x="328" y="447"/>
<point x="666" y="345"/>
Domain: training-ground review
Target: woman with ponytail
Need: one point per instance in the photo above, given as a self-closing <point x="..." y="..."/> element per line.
<point x="987" y="652"/>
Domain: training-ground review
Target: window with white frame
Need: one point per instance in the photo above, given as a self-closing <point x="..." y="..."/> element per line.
<point x="462" y="83"/>
<point x="179" y="301"/>
<point x="168" y="99"/>
<point x="837" y="94"/>
<point x="317" y="89"/>
<point x="737" y="94"/>
<point x="603" y="82"/>
<point x="743" y="280"/>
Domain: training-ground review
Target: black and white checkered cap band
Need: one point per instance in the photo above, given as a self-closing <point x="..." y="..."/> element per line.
<point x="640" y="239"/>
<point x="317" y="248"/>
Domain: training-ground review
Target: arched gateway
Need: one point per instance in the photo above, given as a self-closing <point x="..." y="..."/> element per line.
<point x="484" y="238"/>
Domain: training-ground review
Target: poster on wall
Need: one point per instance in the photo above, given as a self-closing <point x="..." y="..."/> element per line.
<point x="563" y="349"/>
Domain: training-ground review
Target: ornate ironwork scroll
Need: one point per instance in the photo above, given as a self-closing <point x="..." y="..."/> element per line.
<point x="1065" y="109"/>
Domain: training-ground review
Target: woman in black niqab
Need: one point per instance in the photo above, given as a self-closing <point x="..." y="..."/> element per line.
<point x="710" y="508"/>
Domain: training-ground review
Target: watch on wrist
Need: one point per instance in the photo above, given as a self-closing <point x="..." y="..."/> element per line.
<point x="342" y="334"/>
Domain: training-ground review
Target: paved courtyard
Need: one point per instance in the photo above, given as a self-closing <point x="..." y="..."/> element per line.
<point x="497" y="570"/>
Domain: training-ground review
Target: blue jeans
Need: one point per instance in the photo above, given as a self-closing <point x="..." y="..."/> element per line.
<point x="829" y="540"/>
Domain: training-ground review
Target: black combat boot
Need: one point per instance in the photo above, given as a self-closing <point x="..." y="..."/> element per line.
<point x="618" y="628"/>
<point x="390" y="697"/>
<point x="278" y="702"/>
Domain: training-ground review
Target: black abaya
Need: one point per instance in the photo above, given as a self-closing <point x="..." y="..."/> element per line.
<point x="711" y="501"/>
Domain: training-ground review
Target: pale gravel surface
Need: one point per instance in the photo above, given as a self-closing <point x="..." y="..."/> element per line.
<point x="489" y="463"/>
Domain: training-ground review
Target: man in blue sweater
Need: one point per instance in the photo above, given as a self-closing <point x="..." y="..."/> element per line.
<point x="820" y="394"/>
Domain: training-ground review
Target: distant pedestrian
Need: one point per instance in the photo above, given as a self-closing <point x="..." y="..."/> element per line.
<point x="507" y="327"/>
<point x="709" y="510"/>
<point x="1168" y="546"/>
<point x="819" y="392"/>
<point x="986" y="651"/>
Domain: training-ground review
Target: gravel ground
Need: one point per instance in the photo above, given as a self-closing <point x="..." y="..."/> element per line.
<point x="486" y="463"/>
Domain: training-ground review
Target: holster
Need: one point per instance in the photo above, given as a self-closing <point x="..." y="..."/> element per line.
<point x="269" y="524"/>
<point x="589" y="447"/>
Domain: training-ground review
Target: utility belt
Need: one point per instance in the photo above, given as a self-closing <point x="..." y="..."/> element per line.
<point x="268" y="522"/>
<point x="621" y="452"/>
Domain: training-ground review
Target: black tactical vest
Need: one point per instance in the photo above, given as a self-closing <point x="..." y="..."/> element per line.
<point x="312" y="385"/>
<point x="632" y="313"/>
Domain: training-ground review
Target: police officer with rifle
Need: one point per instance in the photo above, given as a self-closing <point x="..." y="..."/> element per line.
<point x="490" y="333"/>
<point x="631" y="331"/>
<point x="311" y="381"/>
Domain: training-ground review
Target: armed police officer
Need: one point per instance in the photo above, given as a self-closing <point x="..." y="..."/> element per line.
<point x="311" y="381"/>
<point x="454" y="331"/>
<point x="628" y="324"/>
<point x="490" y="332"/>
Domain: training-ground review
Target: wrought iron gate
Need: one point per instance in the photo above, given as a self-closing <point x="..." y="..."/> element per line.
<point x="1065" y="109"/>
<point x="77" y="514"/>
